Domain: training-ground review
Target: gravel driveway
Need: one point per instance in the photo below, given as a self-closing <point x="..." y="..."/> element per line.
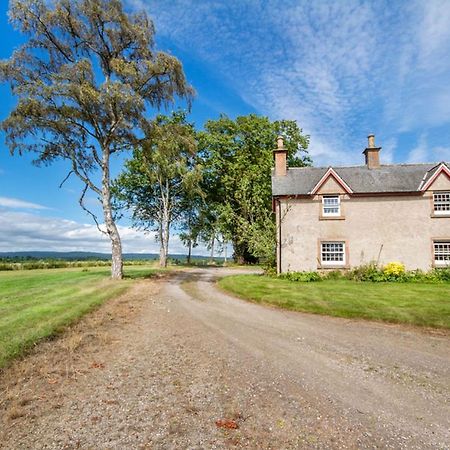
<point x="176" y="364"/>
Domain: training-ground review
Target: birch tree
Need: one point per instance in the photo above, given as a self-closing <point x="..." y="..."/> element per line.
<point x="160" y="177"/>
<point x="84" y="80"/>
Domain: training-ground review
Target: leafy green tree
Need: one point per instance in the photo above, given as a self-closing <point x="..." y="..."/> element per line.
<point x="238" y="160"/>
<point x="84" y="80"/>
<point x="161" y="177"/>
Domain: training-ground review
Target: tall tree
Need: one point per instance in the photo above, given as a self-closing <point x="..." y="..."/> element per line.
<point x="238" y="160"/>
<point x="84" y="80"/>
<point x="161" y="177"/>
<point x="189" y="222"/>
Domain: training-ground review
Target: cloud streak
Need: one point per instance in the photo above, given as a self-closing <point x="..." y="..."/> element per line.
<point x="342" y="69"/>
<point x="23" y="231"/>
<point x="15" y="203"/>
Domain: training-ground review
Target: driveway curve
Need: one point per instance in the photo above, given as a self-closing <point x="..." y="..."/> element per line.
<point x="193" y="367"/>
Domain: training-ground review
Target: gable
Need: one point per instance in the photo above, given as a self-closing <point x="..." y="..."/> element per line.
<point x="441" y="183"/>
<point x="330" y="186"/>
<point x="329" y="178"/>
<point x="438" y="176"/>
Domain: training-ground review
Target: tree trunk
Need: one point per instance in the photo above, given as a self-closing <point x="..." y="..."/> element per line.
<point x="164" y="230"/>
<point x="189" y="251"/>
<point x="225" y="250"/>
<point x="162" y="250"/>
<point x="166" y="241"/>
<point x="212" y="248"/>
<point x="111" y="228"/>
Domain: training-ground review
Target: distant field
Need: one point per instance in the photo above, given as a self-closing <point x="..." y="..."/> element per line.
<point x="422" y="304"/>
<point x="10" y="264"/>
<point x="40" y="303"/>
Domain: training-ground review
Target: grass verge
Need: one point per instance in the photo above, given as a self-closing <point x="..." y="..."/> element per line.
<point x="421" y="304"/>
<point x="41" y="303"/>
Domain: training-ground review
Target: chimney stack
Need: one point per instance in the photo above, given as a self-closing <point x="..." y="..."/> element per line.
<point x="280" y="154"/>
<point x="372" y="153"/>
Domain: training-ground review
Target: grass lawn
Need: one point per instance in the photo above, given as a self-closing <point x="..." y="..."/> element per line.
<point x="36" y="304"/>
<point x="411" y="303"/>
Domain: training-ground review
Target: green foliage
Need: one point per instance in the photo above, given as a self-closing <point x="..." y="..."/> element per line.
<point x="161" y="183"/>
<point x="304" y="277"/>
<point x="238" y="159"/>
<point x="421" y="304"/>
<point x="392" y="272"/>
<point x="395" y="272"/>
<point x="366" y="272"/>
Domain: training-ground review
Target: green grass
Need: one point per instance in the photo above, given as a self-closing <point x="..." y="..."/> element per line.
<point x="41" y="303"/>
<point x="421" y="304"/>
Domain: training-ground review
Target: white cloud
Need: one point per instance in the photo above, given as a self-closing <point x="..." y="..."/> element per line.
<point x="423" y="152"/>
<point x="15" y="203"/>
<point x="342" y="69"/>
<point x="20" y="231"/>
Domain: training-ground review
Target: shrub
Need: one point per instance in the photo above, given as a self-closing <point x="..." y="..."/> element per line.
<point x="304" y="277"/>
<point x="394" y="270"/>
<point x="441" y="274"/>
<point x="333" y="275"/>
<point x="270" y="271"/>
<point x="366" y="272"/>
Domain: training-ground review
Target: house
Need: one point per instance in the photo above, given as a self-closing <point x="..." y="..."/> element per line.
<point x="343" y="217"/>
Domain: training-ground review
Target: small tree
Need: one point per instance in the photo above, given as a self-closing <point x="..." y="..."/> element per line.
<point x="160" y="177"/>
<point x="190" y="221"/>
<point x="84" y="80"/>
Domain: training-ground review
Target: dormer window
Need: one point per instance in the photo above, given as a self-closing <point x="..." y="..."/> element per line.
<point x="441" y="202"/>
<point x="331" y="206"/>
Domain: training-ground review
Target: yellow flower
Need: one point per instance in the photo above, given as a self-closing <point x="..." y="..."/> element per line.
<point x="394" y="269"/>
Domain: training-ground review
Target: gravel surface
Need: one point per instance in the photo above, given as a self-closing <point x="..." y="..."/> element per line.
<point x="176" y="364"/>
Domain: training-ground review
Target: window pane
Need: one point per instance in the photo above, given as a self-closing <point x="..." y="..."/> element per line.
<point x="331" y="205"/>
<point x="442" y="202"/>
<point x="442" y="252"/>
<point x="332" y="252"/>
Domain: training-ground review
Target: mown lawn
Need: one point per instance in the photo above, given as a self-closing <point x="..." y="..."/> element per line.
<point x="419" y="304"/>
<point x="39" y="303"/>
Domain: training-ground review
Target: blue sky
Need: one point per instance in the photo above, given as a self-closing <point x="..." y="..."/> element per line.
<point x="341" y="69"/>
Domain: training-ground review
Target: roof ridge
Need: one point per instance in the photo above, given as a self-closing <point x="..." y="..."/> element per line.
<point x="434" y="164"/>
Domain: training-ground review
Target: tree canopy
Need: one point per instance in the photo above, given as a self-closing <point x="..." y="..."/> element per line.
<point x="160" y="185"/>
<point x="85" y="81"/>
<point x="238" y="158"/>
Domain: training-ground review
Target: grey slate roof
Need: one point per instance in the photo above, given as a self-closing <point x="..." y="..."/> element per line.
<point x="388" y="178"/>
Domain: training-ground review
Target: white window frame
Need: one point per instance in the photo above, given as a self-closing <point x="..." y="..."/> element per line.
<point x="443" y="202"/>
<point x="331" y="251"/>
<point x="442" y="252"/>
<point x="338" y="206"/>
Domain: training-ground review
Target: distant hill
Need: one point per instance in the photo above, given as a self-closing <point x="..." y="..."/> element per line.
<point x="81" y="256"/>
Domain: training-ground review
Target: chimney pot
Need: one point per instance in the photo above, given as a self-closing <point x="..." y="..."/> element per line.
<point x="371" y="139"/>
<point x="280" y="143"/>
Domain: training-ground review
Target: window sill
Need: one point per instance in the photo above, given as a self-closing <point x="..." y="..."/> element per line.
<point x="440" y="216"/>
<point x="333" y="267"/>
<point x="331" y="217"/>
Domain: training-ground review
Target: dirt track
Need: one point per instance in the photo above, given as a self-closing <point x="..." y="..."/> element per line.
<point x="159" y="366"/>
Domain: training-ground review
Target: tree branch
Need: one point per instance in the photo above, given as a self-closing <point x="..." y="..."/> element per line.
<point x="81" y="202"/>
<point x="65" y="179"/>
